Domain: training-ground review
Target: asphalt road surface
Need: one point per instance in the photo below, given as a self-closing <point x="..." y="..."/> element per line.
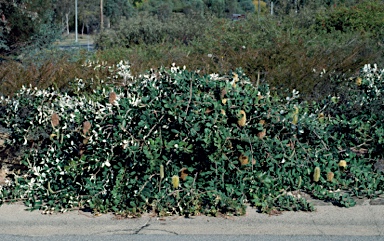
<point x="362" y="222"/>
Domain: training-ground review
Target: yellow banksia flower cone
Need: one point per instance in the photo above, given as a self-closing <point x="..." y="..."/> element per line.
<point x="321" y="117"/>
<point x="222" y="112"/>
<point x="243" y="118"/>
<point x="175" y="181"/>
<point x="330" y="176"/>
<point x="316" y="174"/>
<point x="296" y="109"/>
<point x="52" y="136"/>
<point x="224" y="101"/>
<point x="295" y="119"/>
<point x="299" y="182"/>
<point x="161" y="171"/>
<point x="343" y="164"/>
<point x="359" y="81"/>
<point x="235" y="79"/>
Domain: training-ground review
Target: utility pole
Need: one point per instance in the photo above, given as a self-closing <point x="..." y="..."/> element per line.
<point x="101" y="15"/>
<point x="76" y="21"/>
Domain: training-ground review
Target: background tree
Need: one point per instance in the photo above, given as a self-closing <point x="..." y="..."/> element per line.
<point x="117" y="9"/>
<point x="26" y="24"/>
<point x="64" y="10"/>
<point x="89" y="12"/>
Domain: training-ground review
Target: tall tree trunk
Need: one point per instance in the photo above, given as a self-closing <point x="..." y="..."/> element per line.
<point x="67" y="22"/>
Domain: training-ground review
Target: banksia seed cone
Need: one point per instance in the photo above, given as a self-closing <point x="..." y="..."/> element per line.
<point x="112" y="98"/>
<point x="262" y="134"/>
<point x="316" y="174"/>
<point x="55" y="120"/>
<point x="161" y="171"/>
<point x="183" y="173"/>
<point x="262" y="122"/>
<point x="175" y="181"/>
<point x="243" y="118"/>
<point x="243" y="160"/>
<point x="86" y="127"/>
<point x="222" y="112"/>
<point x="330" y="176"/>
<point x="223" y="93"/>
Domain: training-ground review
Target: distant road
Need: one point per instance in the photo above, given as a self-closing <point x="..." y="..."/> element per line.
<point x="90" y="47"/>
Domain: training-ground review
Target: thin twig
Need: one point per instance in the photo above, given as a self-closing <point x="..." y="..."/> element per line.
<point x="325" y="145"/>
<point x="153" y="127"/>
<point x="141" y="189"/>
<point x="190" y="98"/>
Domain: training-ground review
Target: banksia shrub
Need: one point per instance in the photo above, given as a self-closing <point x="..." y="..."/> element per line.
<point x="172" y="117"/>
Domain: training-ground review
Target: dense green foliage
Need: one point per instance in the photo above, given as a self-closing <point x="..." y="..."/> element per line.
<point x="175" y="142"/>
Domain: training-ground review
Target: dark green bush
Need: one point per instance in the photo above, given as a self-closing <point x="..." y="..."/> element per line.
<point x="365" y="17"/>
<point x="287" y="54"/>
<point x="145" y="29"/>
